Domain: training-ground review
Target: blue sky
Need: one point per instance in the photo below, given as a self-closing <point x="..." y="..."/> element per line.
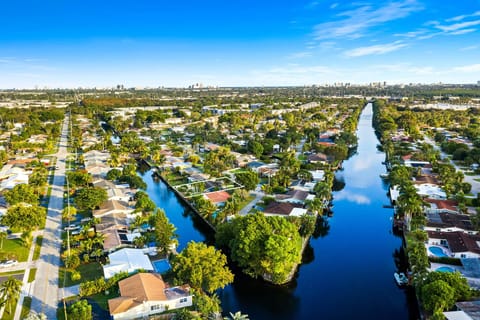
<point x="58" y="43"/>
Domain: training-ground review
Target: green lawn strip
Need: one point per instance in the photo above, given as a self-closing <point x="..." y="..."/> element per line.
<point x="27" y="302"/>
<point x="38" y="247"/>
<point x="14" y="249"/>
<point x="478" y="180"/>
<point x="11" y="273"/>
<point x="88" y="271"/>
<point x="249" y="199"/>
<point x="32" y="274"/>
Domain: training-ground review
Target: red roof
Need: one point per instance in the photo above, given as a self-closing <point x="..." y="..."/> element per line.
<point x="443" y="204"/>
<point x="218" y="196"/>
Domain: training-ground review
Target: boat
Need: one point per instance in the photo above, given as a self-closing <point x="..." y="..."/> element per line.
<point x="384" y="175"/>
<point x="400" y="278"/>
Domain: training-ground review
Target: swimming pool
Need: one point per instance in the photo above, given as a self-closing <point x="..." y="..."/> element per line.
<point x="161" y="266"/>
<point x="445" y="269"/>
<point x="437" y="251"/>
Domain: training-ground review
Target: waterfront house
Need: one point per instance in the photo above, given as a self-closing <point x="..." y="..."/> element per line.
<point x="126" y="260"/>
<point x="145" y="294"/>
<point x="466" y="310"/>
<point x="293" y="196"/>
<point x="460" y="244"/>
<point x="437" y="206"/>
<point x="449" y="222"/>
<point x="284" y="209"/>
<point x="218" y="197"/>
<point x="320" y="158"/>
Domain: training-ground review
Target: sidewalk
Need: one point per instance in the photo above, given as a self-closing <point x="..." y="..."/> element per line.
<point x="26" y="287"/>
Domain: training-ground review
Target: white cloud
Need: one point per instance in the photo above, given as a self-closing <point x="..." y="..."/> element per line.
<point x="353" y="23"/>
<point x="469" y="48"/>
<point x="464" y="16"/>
<point x="457" y="26"/>
<point x="300" y="55"/>
<point x="333" y="5"/>
<point x="463" y="31"/>
<point x="468" y="68"/>
<point x="357" y="198"/>
<point x="375" y="50"/>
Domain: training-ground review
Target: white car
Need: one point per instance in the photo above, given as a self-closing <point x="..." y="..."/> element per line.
<point x="8" y="263"/>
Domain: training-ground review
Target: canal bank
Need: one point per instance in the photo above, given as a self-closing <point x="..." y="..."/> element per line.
<point x="347" y="270"/>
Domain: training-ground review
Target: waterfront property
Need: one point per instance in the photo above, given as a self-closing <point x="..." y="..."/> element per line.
<point x="453" y="244"/>
<point x="145" y="294"/>
<point x="127" y="260"/>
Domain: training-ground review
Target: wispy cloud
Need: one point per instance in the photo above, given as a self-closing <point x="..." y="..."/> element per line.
<point x="375" y="50"/>
<point x="469" y="48"/>
<point x="300" y="55"/>
<point x="463" y="17"/>
<point x="333" y="5"/>
<point x="457" y="26"/>
<point x="468" y="68"/>
<point x="353" y="23"/>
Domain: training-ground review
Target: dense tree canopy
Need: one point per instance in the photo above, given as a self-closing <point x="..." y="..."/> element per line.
<point x="90" y="198"/>
<point x="262" y="246"/>
<point x="21" y="193"/>
<point x="202" y="266"/>
<point x="23" y="217"/>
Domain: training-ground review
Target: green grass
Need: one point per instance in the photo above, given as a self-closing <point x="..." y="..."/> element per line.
<point x="32" y="274"/>
<point x="246" y="201"/>
<point x="27" y="302"/>
<point x="102" y="298"/>
<point x="14" y="249"/>
<point x="38" y="247"/>
<point x="11" y="273"/>
<point x="88" y="271"/>
<point x="478" y="180"/>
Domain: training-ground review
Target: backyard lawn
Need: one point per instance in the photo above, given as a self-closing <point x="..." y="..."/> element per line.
<point x="89" y="271"/>
<point x="14" y="249"/>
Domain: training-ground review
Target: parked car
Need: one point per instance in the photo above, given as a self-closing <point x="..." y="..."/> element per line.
<point x="72" y="227"/>
<point x="8" y="263"/>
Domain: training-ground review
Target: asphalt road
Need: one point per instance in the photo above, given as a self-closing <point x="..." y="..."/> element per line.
<point x="45" y="298"/>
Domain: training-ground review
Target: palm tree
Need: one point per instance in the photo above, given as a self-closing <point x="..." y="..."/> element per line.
<point x="410" y="203"/>
<point x="3" y="235"/>
<point x="9" y="292"/>
<point x="237" y="316"/>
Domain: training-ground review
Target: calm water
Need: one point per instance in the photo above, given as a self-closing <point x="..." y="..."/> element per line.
<point x="347" y="271"/>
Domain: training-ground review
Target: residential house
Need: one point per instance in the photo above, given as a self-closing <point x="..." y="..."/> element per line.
<point x="460" y="244"/>
<point x="127" y="260"/>
<point x="320" y="158"/>
<point x="466" y="310"/>
<point x="448" y="222"/>
<point x="284" y="209"/>
<point x="438" y="205"/>
<point x="295" y="196"/>
<point x="111" y="207"/>
<point x="145" y="294"/>
<point x="218" y="197"/>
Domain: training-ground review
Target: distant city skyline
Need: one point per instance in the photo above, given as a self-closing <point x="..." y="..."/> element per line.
<point x="65" y="44"/>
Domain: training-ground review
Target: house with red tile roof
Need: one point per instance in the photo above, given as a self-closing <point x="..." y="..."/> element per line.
<point x="218" y="197"/>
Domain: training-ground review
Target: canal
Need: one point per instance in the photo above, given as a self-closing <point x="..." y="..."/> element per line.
<point x="347" y="272"/>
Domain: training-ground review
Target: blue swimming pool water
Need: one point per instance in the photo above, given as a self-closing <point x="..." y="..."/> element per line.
<point x="445" y="269"/>
<point x="437" y="251"/>
<point x="161" y="266"/>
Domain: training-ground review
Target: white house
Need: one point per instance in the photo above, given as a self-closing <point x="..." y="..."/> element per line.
<point x="126" y="260"/>
<point x="145" y="294"/>
<point x="459" y="244"/>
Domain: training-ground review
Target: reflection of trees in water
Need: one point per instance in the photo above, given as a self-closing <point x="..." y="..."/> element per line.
<point x="400" y="259"/>
<point x="200" y="225"/>
<point x="308" y="254"/>
<point x="338" y="183"/>
<point x="142" y="167"/>
<point x="321" y="228"/>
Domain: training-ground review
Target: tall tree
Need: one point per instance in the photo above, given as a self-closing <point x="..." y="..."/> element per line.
<point x="90" y="197"/>
<point x="21" y="193"/>
<point x="165" y="234"/>
<point x="202" y="266"/>
<point x="10" y="291"/>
